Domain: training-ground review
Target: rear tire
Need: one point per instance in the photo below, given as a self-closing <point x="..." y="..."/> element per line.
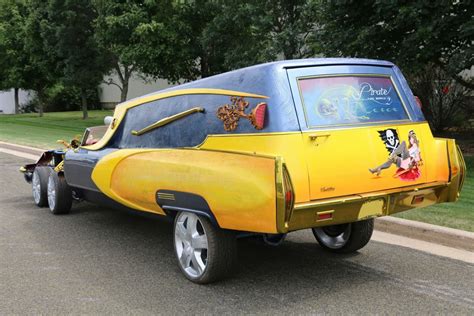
<point x="39" y="185"/>
<point x="205" y="253"/>
<point x="273" y="240"/>
<point x="59" y="194"/>
<point x="345" y="238"/>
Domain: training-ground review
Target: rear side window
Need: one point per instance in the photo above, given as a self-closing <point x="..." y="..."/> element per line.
<point x="354" y="99"/>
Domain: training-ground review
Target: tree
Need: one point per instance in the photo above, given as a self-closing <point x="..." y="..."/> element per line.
<point x="70" y="35"/>
<point x="286" y="26"/>
<point x="217" y="36"/>
<point x="413" y="34"/>
<point x="115" y="32"/>
<point x="13" y="73"/>
<point x="40" y="65"/>
<point x="445" y="102"/>
<point x="203" y="37"/>
<point x="163" y="48"/>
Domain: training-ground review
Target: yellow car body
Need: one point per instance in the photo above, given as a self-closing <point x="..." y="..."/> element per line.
<point x="245" y="188"/>
<point x="240" y="175"/>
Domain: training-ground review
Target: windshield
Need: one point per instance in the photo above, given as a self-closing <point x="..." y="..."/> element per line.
<point x="93" y="134"/>
<point x="354" y="99"/>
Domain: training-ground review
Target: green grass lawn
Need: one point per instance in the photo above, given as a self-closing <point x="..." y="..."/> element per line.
<point x="43" y="132"/>
<point x="458" y="215"/>
<point x="29" y="129"/>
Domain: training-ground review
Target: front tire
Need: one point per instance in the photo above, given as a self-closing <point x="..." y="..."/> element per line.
<point x="345" y="238"/>
<point x="39" y="185"/>
<point x="205" y="253"/>
<point x="59" y="194"/>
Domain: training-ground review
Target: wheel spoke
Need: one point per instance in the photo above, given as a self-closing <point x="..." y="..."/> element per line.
<point x="199" y="242"/>
<point x="185" y="259"/>
<point x="339" y="240"/>
<point x="181" y="230"/>
<point x="191" y="226"/>
<point x="198" y="265"/>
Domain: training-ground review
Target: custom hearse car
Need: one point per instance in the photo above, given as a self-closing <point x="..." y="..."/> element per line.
<point x="321" y="144"/>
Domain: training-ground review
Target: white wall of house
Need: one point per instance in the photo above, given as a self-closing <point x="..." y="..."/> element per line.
<point x="7" y="100"/>
<point x="109" y="94"/>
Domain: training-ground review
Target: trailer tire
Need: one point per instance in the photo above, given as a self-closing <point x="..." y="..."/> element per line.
<point x="39" y="185"/>
<point x="59" y="194"/>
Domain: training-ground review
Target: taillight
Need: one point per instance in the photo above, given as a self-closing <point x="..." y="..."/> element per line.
<point x="289" y="193"/>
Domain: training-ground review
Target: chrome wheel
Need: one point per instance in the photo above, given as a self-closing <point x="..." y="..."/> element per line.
<point x="36" y="187"/>
<point x="51" y="193"/>
<point x="191" y="244"/>
<point x="333" y="237"/>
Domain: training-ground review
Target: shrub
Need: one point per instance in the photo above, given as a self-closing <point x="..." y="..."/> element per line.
<point x="62" y="98"/>
<point x="445" y="102"/>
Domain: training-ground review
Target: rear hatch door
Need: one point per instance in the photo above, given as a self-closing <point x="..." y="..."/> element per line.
<point x="357" y="129"/>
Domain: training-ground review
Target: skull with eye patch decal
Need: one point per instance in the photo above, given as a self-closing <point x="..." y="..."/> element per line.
<point x="390" y="138"/>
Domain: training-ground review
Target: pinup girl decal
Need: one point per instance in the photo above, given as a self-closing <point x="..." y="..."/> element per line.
<point x="407" y="159"/>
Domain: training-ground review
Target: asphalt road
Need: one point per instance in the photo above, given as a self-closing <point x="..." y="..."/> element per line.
<point x="97" y="260"/>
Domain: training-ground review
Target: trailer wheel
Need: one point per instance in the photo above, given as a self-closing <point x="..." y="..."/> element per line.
<point x="39" y="185"/>
<point x="345" y="238"/>
<point x="205" y="252"/>
<point x="59" y="194"/>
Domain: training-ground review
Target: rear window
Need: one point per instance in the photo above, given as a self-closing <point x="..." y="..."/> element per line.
<point x="351" y="99"/>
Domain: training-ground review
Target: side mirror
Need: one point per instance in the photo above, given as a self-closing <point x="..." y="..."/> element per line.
<point x="108" y="120"/>
<point x="418" y="101"/>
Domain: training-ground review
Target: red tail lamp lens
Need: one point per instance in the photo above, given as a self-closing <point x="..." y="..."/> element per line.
<point x="288" y="199"/>
<point x="324" y="216"/>
<point x="259" y="115"/>
<point x="289" y="193"/>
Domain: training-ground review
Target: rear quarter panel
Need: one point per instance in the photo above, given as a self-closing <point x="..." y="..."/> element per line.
<point x="240" y="189"/>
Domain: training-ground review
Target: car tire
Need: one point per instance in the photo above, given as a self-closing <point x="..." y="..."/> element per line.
<point x="59" y="194"/>
<point x="345" y="238"/>
<point x="39" y="185"/>
<point x="273" y="240"/>
<point x="205" y="253"/>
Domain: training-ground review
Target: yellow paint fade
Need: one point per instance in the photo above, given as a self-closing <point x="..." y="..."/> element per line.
<point x="240" y="189"/>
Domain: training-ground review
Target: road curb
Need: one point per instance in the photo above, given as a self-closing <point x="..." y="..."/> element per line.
<point x="450" y="237"/>
<point x="27" y="149"/>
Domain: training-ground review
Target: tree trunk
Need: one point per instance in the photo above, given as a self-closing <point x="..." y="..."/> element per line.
<point x="84" y="104"/>
<point x="40" y="101"/>
<point x="205" y="68"/>
<point x="124" y="79"/>
<point x="17" y="101"/>
<point x="40" y="105"/>
<point x="124" y="91"/>
<point x="40" y="110"/>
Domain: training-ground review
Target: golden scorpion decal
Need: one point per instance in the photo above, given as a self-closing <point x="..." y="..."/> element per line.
<point x="230" y="114"/>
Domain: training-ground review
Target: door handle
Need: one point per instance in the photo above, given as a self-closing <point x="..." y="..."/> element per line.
<point x="318" y="139"/>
